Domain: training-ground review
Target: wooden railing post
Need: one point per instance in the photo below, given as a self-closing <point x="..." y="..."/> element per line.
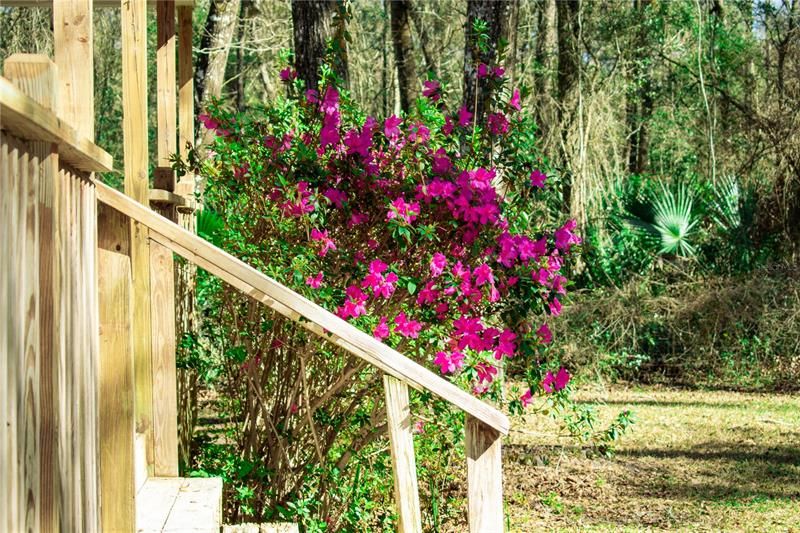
<point x="135" y="150"/>
<point x="162" y="267"/>
<point x="484" y="477"/>
<point x="401" y="439"/>
<point x="114" y="287"/>
<point x="186" y="320"/>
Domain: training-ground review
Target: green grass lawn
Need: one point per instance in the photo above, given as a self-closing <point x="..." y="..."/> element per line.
<point x="694" y="460"/>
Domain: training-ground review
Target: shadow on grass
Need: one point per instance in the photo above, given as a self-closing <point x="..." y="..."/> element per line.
<point x="672" y="403"/>
<point x="723" y="474"/>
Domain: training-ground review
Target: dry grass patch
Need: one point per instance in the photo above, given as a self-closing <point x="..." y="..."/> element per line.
<point x="694" y="460"/>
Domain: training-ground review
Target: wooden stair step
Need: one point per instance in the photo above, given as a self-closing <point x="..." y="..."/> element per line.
<point x="270" y="527"/>
<point x="179" y="505"/>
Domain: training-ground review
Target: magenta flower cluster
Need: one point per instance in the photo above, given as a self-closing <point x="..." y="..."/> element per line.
<point x="405" y="233"/>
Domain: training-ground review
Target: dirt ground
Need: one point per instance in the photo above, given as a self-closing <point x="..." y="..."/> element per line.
<point x="694" y="460"/>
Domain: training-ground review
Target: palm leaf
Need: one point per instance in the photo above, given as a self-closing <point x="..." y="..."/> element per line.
<point x="674" y="220"/>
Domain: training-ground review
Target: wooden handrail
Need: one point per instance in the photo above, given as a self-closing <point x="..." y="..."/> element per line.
<point x="97" y="3"/>
<point x="24" y="117"/>
<point x="290" y="304"/>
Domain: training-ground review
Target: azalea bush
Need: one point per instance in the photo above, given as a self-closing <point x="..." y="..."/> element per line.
<point x="434" y="232"/>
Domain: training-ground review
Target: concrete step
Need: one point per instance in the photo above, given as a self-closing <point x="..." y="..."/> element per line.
<point x="179" y="505"/>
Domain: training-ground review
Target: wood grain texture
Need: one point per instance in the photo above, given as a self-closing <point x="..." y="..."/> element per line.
<point x="73" y="37"/>
<point x="97" y="3"/>
<point x="165" y="397"/>
<point x="25" y="118"/>
<point x="116" y="373"/>
<point x="404" y="466"/>
<point x="35" y="76"/>
<point x="484" y="476"/>
<point x="292" y="305"/>
<point x="166" y="91"/>
<point x="134" y="131"/>
<point x="6" y="275"/>
<point x="186" y="505"/>
<point x="185" y="87"/>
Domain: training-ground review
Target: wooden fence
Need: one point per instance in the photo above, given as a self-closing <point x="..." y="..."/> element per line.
<point x="49" y="426"/>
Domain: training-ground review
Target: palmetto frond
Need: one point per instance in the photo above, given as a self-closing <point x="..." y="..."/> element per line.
<point x="674" y="219"/>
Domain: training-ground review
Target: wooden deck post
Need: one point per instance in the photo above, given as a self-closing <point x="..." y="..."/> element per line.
<point x="117" y="422"/>
<point x="134" y="131"/>
<point x="401" y="439"/>
<point x="186" y="272"/>
<point x="484" y="477"/>
<point x="166" y="90"/>
<point x="162" y="268"/>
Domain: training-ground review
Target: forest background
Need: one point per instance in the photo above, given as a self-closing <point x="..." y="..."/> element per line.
<point x="672" y="132"/>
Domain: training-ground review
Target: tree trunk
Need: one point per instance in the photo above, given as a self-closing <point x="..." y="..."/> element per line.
<point x="497" y="15"/>
<point x="215" y="44"/>
<point x="568" y="72"/>
<point x="317" y="23"/>
<point x="403" y="52"/>
<point x="639" y="106"/>
<point x="430" y="59"/>
<point x="545" y="55"/>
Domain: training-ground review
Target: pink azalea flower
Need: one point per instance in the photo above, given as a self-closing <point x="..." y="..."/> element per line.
<point x="330" y="103"/>
<point x="564" y="236"/>
<point x="558" y="284"/>
<point x="447" y="129"/>
<point x="335" y="196"/>
<point x="407" y="327"/>
<point x="486" y="372"/>
<point x="327" y="242"/>
<point x="547" y="382"/>
<point x="241" y="172"/>
<point x="438" y="264"/>
<point x="540" y="276"/>
<point x="208" y="122"/>
<point x="538" y="178"/>
<point x="555" y="307"/>
<point x="419" y="427"/>
<point x="498" y="123"/>
<point x="498" y="72"/>
<point x="288" y="74"/>
<point x="390" y="127"/>
<point x="428" y="294"/>
<point x="562" y="378"/>
<point x="483" y="70"/>
<point x="526" y="398"/>
<point x="312" y="96"/>
<point x="315" y="282"/>
<point x="441" y="163"/>
<point x="449" y="362"/>
<point x="514" y="102"/>
<point x="407" y="212"/>
<point x="506" y="344"/>
<point x="545" y="335"/>
<point x="431" y="90"/>
<point x="381" y="331"/>
<point x="418" y="132"/>
<point x="329" y="134"/>
<point x="483" y="275"/>
<point x="464" y="117"/>
<point x="356" y="219"/>
<point x="468" y="332"/>
<point x="557" y="382"/>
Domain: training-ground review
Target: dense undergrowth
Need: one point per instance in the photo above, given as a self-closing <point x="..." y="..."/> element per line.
<point x="731" y="331"/>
